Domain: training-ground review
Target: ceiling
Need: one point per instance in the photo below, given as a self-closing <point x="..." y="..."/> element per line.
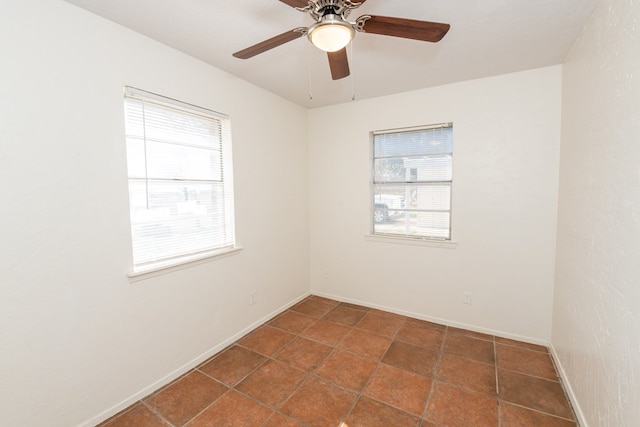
<point x="487" y="38"/>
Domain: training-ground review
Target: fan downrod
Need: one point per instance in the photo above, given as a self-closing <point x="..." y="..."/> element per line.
<point x="319" y="8"/>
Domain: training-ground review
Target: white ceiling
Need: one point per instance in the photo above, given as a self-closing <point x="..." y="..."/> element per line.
<point x="487" y="37"/>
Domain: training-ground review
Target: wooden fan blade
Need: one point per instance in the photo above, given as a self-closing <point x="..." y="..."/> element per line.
<point x="295" y="3"/>
<point x="406" y="28"/>
<point x="339" y="64"/>
<point x="269" y="44"/>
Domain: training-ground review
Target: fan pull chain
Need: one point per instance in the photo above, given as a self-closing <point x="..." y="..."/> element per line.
<point x="353" y="85"/>
<point x="309" y="72"/>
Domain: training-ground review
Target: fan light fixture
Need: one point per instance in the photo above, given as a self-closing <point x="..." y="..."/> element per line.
<point x="330" y="33"/>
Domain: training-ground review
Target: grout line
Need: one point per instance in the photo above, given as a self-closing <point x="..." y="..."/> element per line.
<point x="539" y="411"/>
<point x="157" y="413"/>
<point x="207" y="407"/>
<point x="306" y="378"/>
<point x="557" y="380"/>
<point x="435" y="374"/>
<point x="495" y="370"/>
<point x="114" y="417"/>
<point x="245" y="376"/>
<point x="379" y="362"/>
<point x="520" y="347"/>
<point x="312" y="372"/>
<point x="495" y="367"/>
<point x="575" y="420"/>
<point x="282" y="415"/>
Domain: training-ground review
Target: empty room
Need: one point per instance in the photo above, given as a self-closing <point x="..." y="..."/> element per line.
<point x="320" y="213"/>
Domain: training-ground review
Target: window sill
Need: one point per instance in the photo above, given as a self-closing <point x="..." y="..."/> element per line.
<point x="183" y="263"/>
<point x="398" y="240"/>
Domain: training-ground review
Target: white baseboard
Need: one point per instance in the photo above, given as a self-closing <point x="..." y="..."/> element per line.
<point x="577" y="410"/>
<point x="186" y="367"/>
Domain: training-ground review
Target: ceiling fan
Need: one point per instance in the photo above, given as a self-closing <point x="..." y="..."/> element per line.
<point x="332" y="32"/>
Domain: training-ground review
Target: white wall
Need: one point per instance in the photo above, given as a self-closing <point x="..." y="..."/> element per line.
<point x="596" y="316"/>
<point x="506" y="149"/>
<point x="76" y="338"/>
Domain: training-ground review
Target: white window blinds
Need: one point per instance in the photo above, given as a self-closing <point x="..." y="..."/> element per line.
<point x="412" y="177"/>
<point x="180" y="179"/>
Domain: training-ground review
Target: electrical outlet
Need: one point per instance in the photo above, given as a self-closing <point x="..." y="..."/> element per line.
<point x="252" y="297"/>
<point x="466" y="298"/>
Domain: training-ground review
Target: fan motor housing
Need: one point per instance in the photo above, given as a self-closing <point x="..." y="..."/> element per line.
<point x="320" y="8"/>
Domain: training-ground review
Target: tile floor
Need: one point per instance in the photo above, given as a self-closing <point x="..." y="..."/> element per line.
<point x="330" y="364"/>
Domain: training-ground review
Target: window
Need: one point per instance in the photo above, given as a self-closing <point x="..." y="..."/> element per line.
<point x="411" y="188"/>
<point x="180" y="180"/>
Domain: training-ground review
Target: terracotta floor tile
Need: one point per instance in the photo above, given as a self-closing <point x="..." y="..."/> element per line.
<point x="272" y="383"/>
<point x="266" y="340"/>
<point x="324" y="300"/>
<point x="137" y="416"/>
<point x="455" y="407"/>
<point x="422" y="335"/>
<point x="468" y="333"/>
<point x="469" y="347"/>
<point x="232" y="365"/>
<point x="293" y="322"/>
<point x="387" y="314"/>
<point x="380" y="325"/>
<point x="366" y="343"/>
<point x="312" y="308"/>
<point x="354" y="306"/>
<point x="344" y="315"/>
<point x="279" y="420"/>
<point x="536" y="393"/>
<point x="468" y="374"/>
<point x="318" y="403"/>
<point x="426" y="323"/>
<point x="327" y="363"/>
<point x="419" y="360"/>
<point x="304" y="354"/>
<point x="326" y="332"/>
<point x="369" y="413"/>
<point x="231" y="410"/>
<point x="526" y="361"/>
<point x="528" y="346"/>
<point x="517" y="416"/>
<point x="347" y="369"/>
<point x="399" y="388"/>
<point x="186" y="397"/>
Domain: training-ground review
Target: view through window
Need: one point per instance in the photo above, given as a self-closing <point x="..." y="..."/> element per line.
<point x="412" y="177"/>
<point x="180" y="181"/>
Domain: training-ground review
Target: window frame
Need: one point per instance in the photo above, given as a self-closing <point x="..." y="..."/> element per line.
<point x="223" y="220"/>
<point x="395" y="237"/>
